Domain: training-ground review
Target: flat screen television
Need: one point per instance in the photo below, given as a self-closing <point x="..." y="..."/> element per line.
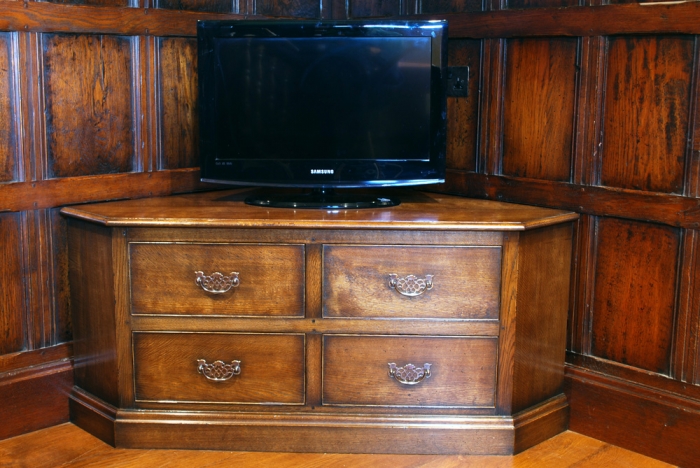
<point x="322" y="105"/>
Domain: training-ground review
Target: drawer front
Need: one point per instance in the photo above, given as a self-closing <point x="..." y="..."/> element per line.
<point x="357" y="371"/>
<point x="168" y="367"/>
<point x="358" y="282"/>
<point x="164" y="279"/>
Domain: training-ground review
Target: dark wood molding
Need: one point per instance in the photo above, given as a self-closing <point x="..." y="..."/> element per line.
<point x="71" y="190"/>
<point x="647" y="420"/>
<point x="673" y="210"/>
<point x="25" y="359"/>
<point x="55" y="17"/>
<point x="583" y="21"/>
<point x="38" y="394"/>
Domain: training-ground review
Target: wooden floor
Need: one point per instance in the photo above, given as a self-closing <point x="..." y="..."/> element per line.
<point x="68" y="446"/>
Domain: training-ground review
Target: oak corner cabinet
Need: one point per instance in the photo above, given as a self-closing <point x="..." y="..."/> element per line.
<point x="437" y="326"/>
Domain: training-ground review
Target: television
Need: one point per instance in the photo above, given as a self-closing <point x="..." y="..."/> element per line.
<point x="322" y="105"/>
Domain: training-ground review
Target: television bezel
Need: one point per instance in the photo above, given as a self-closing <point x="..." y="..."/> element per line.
<point x="430" y="170"/>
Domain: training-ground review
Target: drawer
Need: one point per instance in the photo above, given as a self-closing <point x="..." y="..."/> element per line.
<point x="357" y="281"/>
<point x="356" y="371"/>
<point x="164" y="279"/>
<point x="168" y="367"/>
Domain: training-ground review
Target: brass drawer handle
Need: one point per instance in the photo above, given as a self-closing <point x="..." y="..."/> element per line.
<point x="411" y="285"/>
<point x="217" y="283"/>
<point x="218" y="371"/>
<point x="409" y="374"/>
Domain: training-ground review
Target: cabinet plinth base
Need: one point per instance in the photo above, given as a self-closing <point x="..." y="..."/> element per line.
<point x="314" y="432"/>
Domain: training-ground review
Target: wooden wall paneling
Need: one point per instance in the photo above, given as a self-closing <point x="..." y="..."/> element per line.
<point x="179" y="122"/>
<point x="8" y="149"/>
<point x="89" y="104"/>
<point x="12" y="300"/>
<point x="450" y="6"/>
<point x="586" y="159"/>
<point x="214" y="6"/>
<point x="692" y="168"/>
<point x="103" y="3"/>
<point x="538" y="127"/>
<point x="289" y="8"/>
<point x="633" y="308"/>
<point x="38" y="258"/>
<point x="684" y="349"/>
<point x="577" y="21"/>
<point x="463" y="113"/>
<point x="490" y="148"/>
<point x="334" y="9"/>
<point x="541" y="3"/>
<point x="58" y="277"/>
<point x="147" y="94"/>
<point x="369" y="8"/>
<point x="646" y="119"/>
<point x="579" y="330"/>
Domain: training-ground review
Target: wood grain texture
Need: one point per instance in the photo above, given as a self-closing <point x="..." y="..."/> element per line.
<point x="68" y="191"/>
<point x="541" y="3"/>
<point x="450" y="6"/>
<point x="643" y="419"/>
<point x="577" y="21"/>
<point x="214" y="6"/>
<point x="68" y="445"/>
<point x="539" y="108"/>
<point x="463" y="113"/>
<point x="8" y="154"/>
<point x="98" y="3"/>
<point x="226" y="209"/>
<point x="540" y="345"/>
<point x="12" y="300"/>
<point x="271" y="279"/>
<point x="93" y="304"/>
<point x="289" y="8"/>
<point x="179" y="103"/>
<point x="601" y="201"/>
<point x="89" y="104"/>
<point x="370" y="8"/>
<point x="37" y="395"/>
<point x="466" y="281"/>
<point x="53" y="18"/>
<point x="635" y="282"/>
<point x="462" y="371"/>
<point x="646" y="113"/>
<point x="271" y="368"/>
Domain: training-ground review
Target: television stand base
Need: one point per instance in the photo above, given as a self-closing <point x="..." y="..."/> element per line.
<point x="321" y="198"/>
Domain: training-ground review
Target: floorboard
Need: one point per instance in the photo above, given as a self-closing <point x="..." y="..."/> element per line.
<point x="69" y="446"/>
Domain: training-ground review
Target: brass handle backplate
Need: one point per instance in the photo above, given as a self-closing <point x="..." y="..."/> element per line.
<point x="216" y="283"/>
<point x="411" y="285"/>
<point x="218" y="371"/>
<point x="409" y="374"/>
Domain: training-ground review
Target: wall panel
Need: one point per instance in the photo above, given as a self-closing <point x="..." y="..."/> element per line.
<point x="539" y="108"/>
<point x="215" y="6"/>
<point x="12" y="325"/>
<point x="289" y="8"/>
<point x="369" y="8"/>
<point x="634" y="293"/>
<point x="179" y="105"/>
<point x="89" y="104"/>
<point x="450" y="6"/>
<point x="463" y="113"/>
<point x="8" y="156"/>
<point x="646" y="117"/>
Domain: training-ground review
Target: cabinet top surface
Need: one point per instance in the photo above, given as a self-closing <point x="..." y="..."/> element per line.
<point x="418" y="210"/>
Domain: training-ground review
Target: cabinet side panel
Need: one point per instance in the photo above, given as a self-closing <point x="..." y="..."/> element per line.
<point x="92" y="304"/>
<point x="543" y="297"/>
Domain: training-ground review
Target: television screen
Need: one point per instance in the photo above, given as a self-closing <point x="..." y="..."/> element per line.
<point x="322" y="104"/>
